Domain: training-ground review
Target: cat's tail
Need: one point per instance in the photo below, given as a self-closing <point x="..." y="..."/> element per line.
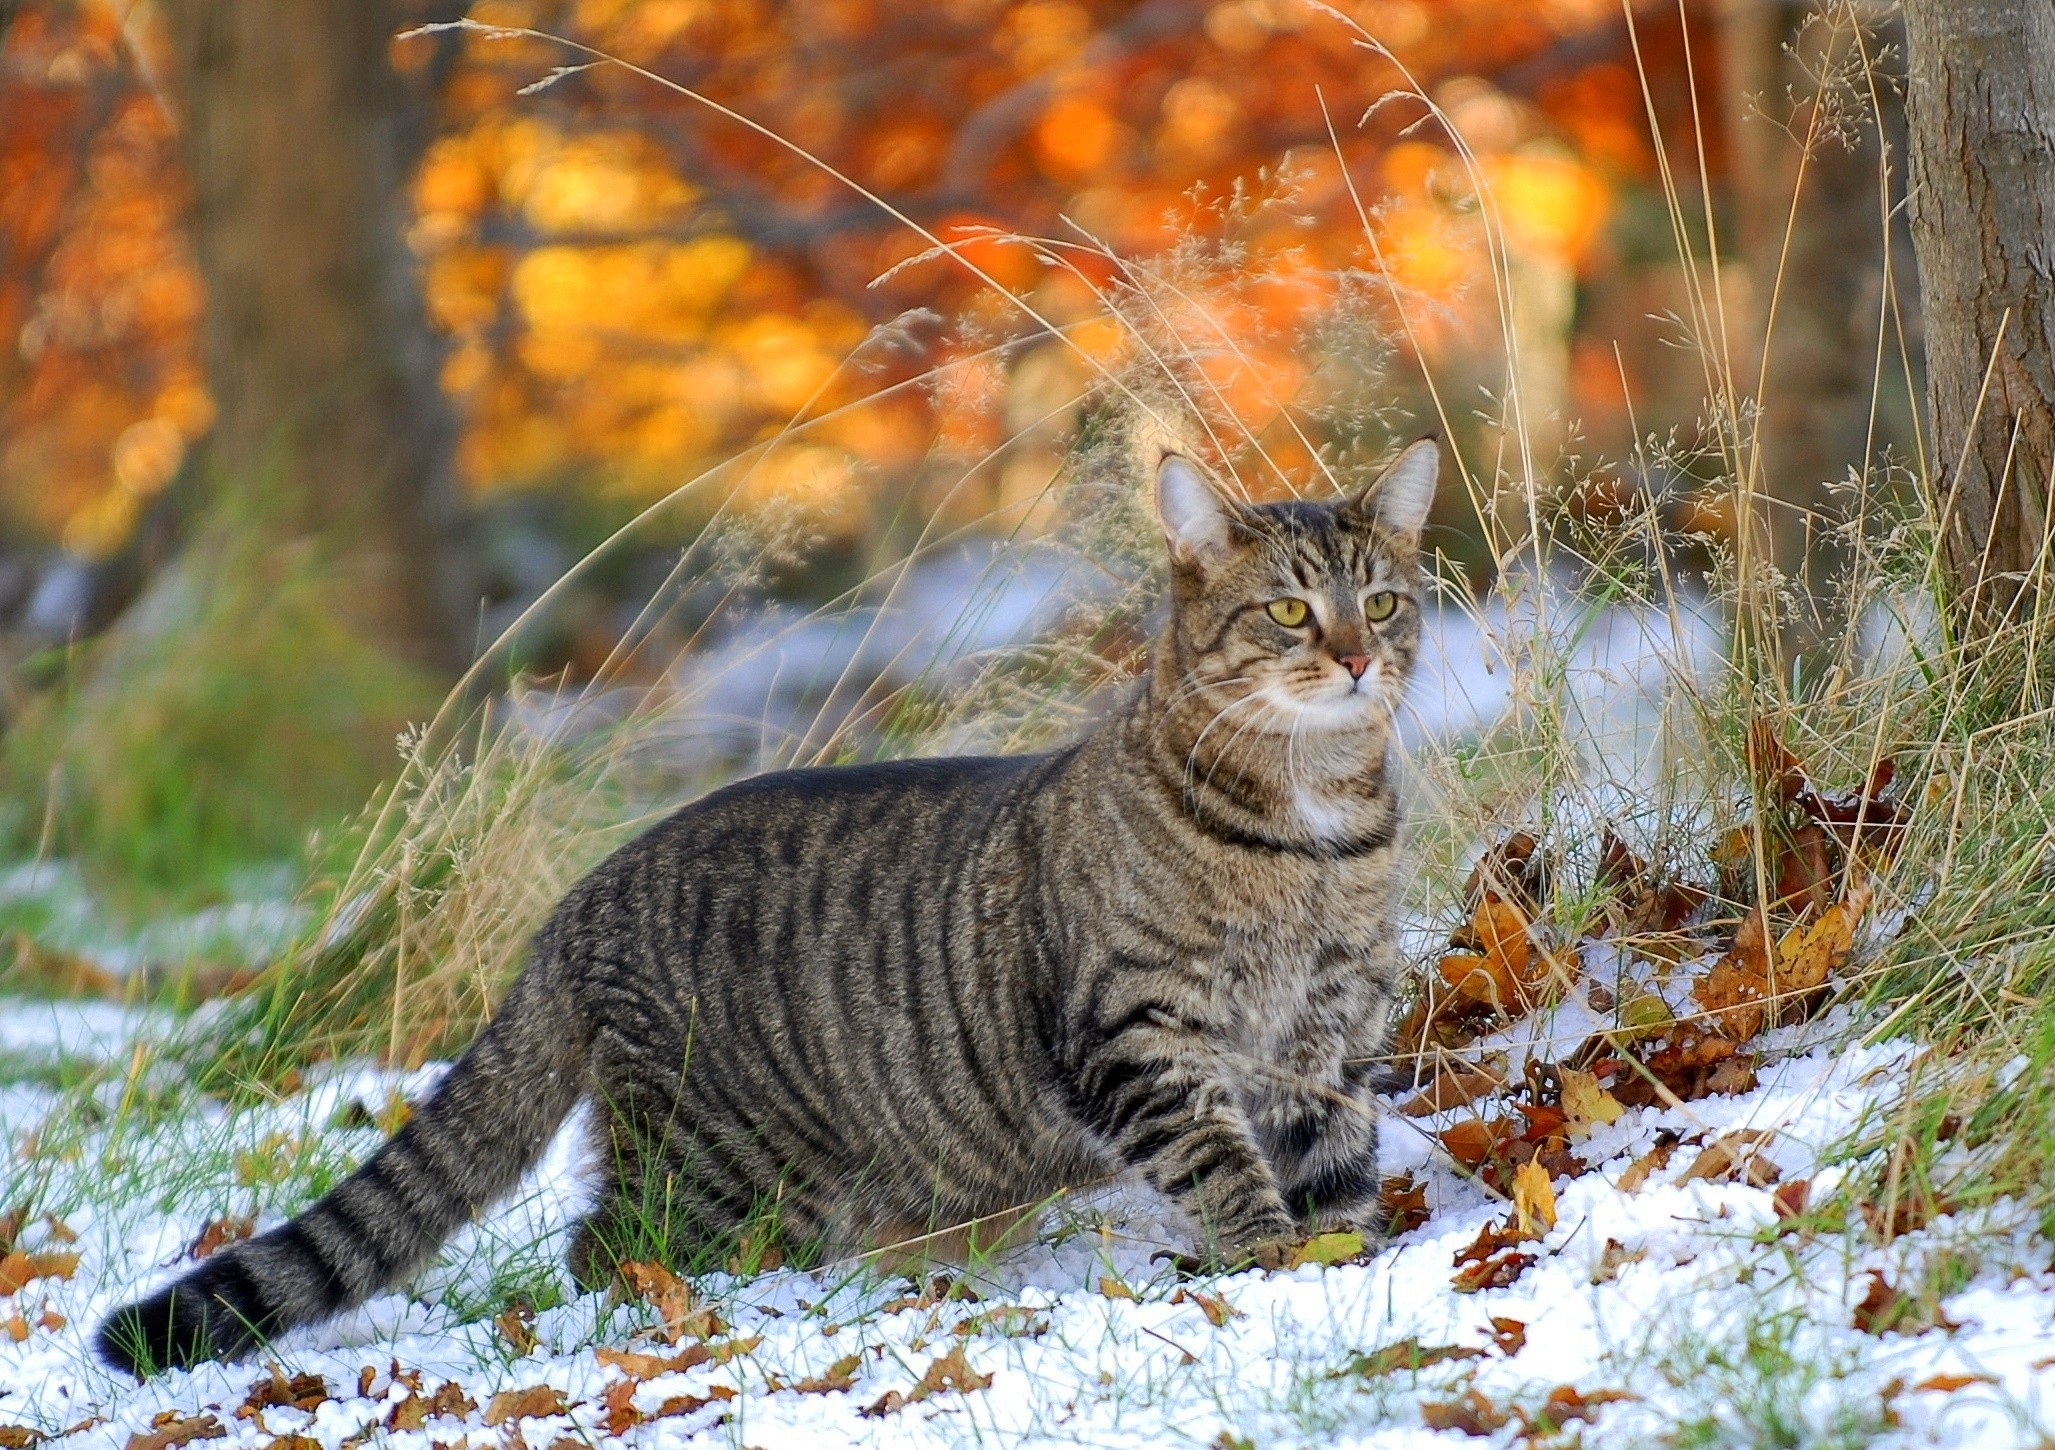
<point x="466" y="1147"/>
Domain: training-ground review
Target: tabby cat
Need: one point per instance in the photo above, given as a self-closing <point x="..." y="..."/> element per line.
<point x="930" y="991"/>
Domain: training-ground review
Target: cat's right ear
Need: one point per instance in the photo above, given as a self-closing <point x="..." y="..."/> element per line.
<point x="1197" y="522"/>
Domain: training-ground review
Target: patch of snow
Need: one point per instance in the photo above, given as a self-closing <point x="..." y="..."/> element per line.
<point x="1699" y="1313"/>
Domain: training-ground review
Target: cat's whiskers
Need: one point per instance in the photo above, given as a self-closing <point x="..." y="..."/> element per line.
<point x="1240" y="731"/>
<point x="1191" y="759"/>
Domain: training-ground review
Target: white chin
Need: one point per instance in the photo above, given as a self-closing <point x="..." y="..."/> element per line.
<point x="1331" y="710"/>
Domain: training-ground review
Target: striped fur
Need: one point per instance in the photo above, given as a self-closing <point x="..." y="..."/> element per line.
<point x="935" y="990"/>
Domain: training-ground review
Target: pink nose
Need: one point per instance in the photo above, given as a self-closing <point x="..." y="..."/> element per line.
<point x="1354" y="664"/>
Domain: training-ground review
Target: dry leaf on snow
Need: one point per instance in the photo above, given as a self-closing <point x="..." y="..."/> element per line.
<point x="1327" y="1250"/>
<point x="1216" y="1309"/>
<point x="1949" y="1383"/>
<point x="1456" y="1084"/>
<point x="533" y="1403"/>
<point x="219" y="1235"/>
<point x="1534" y="1201"/>
<point x="171" y="1429"/>
<point x="1404" y="1202"/>
<point x="950" y="1371"/>
<point x="1735" y="1155"/>
<point x="1585" y="1103"/>
<point x="1469" y="1412"/>
<point x="1408" y="1354"/>
<point x="19" y="1269"/>
<point x="1492" y="1273"/>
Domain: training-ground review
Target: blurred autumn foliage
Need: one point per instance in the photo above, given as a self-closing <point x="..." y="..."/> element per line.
<point x="630" y="287"/>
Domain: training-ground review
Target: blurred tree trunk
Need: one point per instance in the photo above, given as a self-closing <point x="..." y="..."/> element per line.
<point x="299" y="137"/>
<point x="1982" y="108"/>
<point x="1818" y="260"/>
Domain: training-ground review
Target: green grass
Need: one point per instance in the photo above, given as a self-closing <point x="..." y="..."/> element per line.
<point x="228" y="714"/>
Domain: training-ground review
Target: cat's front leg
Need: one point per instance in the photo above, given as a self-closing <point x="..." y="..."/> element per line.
<point x="1178" y="1125"/>
<point x="1326" y="1164"/>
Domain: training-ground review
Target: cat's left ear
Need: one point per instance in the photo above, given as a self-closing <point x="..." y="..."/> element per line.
<point x="1400" y="497"/>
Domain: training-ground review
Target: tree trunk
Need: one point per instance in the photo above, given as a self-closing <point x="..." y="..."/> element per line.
<point x="298" y="136"/>
<point x="1982" y="109"/>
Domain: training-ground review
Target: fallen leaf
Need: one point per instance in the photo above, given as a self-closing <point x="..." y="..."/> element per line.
<point x="673" y="1299"/>
<point x="1216" y="1309"/>
<point x="1612" y="1258"/>
<point x="1490" y="1239"/>
<point x="1474" y="1140"/>
<point x="1456" y="1085"/>
<point x="1515" y="868"/>
<point x="949" y="1371"/>
<point x="1013" y="1321"/>
<point x="171" y="1429"/>
<point x="516" y="1325"/>
<point x="219" y="1234"/>
<point x="1653" y="1161"/>
<point x="618" y="1403"/>
<point x="1734" y="1155"/>
<point x="1586" y="1104"/>
<point x="1327" y="1250"/>
<point x="20" y="1269"/>
<point x="1641" y="1014"/>
<point x="639" y="1366"/>
<point x="838" y="1378"/>
<point x="534" y="1403"/>
<point x="1735" y="991"/>
<point x="1788" y="1202"/>
<point x="889" y="1403"/>
<point x="1534" y="1201"/>
<point x="1880" y="1308"/>
<point x="1404" y="1203"/>
<point x="294" y="1392"/>
<point x="1111" y="1286"/>
<point x="1494" y="1273"/>
<point x="693" y="1404"/>
<point x="1407" y="1354"/>
<point x="1809" y="954"/>
<point x="1509" y="1335"/>
<point x="1566" y="1404"/>
<point x="1949" y="1383"/>
<point x="20" y="1437"/>
<point x="1469" y="1412"/>
<point x="416" y="1410"/>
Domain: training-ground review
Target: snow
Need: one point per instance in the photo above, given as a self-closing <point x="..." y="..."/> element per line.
<point x="1712" y="1319"/>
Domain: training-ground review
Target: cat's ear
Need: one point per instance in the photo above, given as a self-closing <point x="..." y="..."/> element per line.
<point x="1400" y="497"/>
<point x="1197" y="521"/>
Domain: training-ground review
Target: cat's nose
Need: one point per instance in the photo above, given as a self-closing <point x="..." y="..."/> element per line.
<point x="1355" y="664"/>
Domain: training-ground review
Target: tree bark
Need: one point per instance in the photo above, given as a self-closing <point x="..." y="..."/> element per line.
<point x="299" y="137"/>
<point x="1982" y="111"/>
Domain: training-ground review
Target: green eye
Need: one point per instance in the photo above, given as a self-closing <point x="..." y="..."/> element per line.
<point x="1291" y="613"/>
<point x="1381" y="605"/>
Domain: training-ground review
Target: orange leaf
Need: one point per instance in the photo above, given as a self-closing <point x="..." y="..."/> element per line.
<point x="170" y="1429"/>
<point x="1473" y="1140"/>
<point x="534" y="1403"/>
<point x="1949" y="1383"/>
<point x="19" y="1269"/>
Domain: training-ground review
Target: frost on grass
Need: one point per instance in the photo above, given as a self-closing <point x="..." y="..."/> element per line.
<point x="1677" y="1288"/>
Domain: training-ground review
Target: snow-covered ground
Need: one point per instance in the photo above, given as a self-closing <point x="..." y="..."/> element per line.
<point x="1674" y="1306"/>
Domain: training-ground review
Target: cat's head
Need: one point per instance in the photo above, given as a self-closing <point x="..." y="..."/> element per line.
<point x="1302" y="617"/>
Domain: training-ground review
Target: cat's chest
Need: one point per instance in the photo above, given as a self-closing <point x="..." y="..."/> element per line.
<point x="1273" y="994"/>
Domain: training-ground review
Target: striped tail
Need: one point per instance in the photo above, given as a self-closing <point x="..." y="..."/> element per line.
<point x="486" y="1124"/>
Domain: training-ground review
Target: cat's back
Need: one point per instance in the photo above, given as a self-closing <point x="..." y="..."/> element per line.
<point x="752" y="879"/>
